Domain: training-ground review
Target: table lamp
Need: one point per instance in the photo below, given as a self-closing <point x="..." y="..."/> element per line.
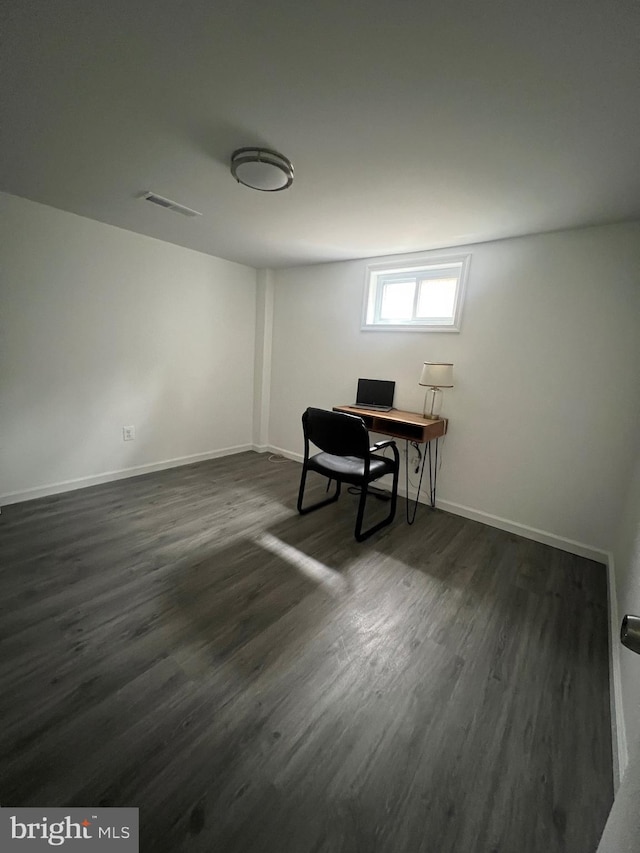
<point x="435" y="376"/>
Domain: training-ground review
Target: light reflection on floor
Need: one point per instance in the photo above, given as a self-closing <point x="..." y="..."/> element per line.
<point x="332" y="581"/>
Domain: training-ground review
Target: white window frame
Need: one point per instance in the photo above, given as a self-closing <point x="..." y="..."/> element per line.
<point x="417" y="269"/>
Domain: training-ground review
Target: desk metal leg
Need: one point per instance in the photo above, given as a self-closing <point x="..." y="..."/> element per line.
<point x="433" y="478"/>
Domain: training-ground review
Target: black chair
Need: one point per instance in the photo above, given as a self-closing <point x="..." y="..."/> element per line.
<point x="346" y="457"/>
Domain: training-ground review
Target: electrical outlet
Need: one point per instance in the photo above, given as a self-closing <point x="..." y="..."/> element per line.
<point x="128" y="433"/>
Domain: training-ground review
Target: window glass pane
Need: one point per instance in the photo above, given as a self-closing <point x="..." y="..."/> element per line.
<point x="436" y="297"/>
<point x="423" y="294"/>
<point x="397" y="300"/>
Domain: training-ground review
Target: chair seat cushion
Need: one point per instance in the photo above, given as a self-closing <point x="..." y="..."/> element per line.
<point x="350" y="468"/>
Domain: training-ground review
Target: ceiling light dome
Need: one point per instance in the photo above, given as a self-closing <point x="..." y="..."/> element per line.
<point x="261" y="169"/>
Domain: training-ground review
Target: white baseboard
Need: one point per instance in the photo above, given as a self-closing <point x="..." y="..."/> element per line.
<point x="295" y="457"/>
<point x="570" y="545"/>
<point x="121" y="474"/>
<point x="618" y="728"/>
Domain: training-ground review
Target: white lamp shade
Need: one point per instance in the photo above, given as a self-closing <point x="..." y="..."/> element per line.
<point x="437" y="375"/>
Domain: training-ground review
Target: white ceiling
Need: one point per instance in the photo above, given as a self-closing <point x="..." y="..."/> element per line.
<point x="411" y="125"/>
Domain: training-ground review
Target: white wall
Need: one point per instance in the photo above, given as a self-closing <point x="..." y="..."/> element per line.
<point x="543" y="417"/>
<point x="102" y="328"/>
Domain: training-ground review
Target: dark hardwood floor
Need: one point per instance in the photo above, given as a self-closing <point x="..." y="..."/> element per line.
<point x="252" y="680"/>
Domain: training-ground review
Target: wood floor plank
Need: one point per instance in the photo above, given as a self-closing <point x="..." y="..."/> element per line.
<point x="254" y="680"/>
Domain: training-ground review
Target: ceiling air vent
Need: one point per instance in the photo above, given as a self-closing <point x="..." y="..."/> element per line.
<point x="154" y="198"/>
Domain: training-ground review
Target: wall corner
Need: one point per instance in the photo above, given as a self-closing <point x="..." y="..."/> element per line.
<point x="265" y="290"/>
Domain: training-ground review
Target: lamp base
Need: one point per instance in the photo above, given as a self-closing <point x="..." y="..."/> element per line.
<point x="432" y="404"/>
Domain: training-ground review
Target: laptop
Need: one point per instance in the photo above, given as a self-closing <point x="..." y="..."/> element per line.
<point x="375" y="394"/>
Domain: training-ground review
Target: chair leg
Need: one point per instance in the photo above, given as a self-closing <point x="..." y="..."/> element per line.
<point x="334" y="497"/>
<point x="360" y="536"/>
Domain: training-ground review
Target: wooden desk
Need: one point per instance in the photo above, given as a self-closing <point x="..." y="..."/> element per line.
<point x="408" y="425"/>
<point x="413" y="428"/>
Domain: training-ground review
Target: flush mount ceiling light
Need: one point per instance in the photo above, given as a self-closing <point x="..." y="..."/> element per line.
<point x="261" y="169"/>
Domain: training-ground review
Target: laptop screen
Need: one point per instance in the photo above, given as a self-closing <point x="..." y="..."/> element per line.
<point x="375" y="392"/>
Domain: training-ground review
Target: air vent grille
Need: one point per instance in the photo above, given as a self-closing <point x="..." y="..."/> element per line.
<point x="168" y="204"/>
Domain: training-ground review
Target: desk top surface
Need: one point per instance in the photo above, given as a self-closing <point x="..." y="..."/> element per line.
<point x="413" y="418"/>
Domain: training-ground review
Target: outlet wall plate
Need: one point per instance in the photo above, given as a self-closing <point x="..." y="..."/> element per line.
<point x="128" y="433"/>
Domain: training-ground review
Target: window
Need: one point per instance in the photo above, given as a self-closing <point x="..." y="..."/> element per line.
<point x="420" y="295"/>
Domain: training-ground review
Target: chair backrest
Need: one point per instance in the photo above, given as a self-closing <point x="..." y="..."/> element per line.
<point x="336" y="432"/>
